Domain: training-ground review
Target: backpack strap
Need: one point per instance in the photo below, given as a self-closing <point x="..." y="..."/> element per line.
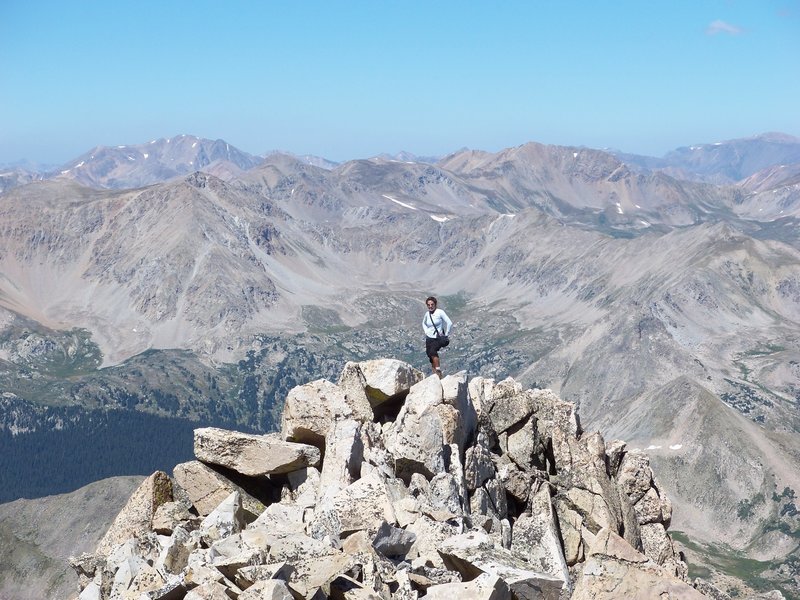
<point x="436" y="329"/>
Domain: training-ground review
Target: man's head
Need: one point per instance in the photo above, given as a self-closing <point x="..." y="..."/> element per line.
<point x="431" y="303"/>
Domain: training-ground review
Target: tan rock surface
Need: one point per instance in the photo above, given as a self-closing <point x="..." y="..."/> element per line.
<point x="206" y="488"/>
<point x="137" y="515"/>
<point x="253" y="455"/>
<point x="432" y="504"/>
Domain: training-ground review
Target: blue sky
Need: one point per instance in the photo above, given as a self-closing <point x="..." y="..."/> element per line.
<point x="353" y="79"/>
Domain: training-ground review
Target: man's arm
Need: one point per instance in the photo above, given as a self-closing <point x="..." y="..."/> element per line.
<point x="448" y="323"/>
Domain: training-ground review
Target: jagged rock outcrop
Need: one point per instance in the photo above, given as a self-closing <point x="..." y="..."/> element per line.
<point x="475" y="489"/>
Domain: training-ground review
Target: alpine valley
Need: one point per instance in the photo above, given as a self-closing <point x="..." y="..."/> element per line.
<point x="150" y="289"/>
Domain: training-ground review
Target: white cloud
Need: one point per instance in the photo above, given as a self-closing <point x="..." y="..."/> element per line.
<point x="718" y="26"/>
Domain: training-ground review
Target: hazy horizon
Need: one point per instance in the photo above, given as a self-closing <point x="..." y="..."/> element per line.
<point x="25" y="161"/>
<point x="352" y="80"/>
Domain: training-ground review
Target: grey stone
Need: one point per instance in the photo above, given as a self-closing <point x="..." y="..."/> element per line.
<point x="444" y="494"/>
<point x="482" y="503"/>
<point x="478" y="465"/>
<point x="198" y="575"/>
<point x="554" y="413"/>
<point x="666" y="503"/>
<point x="269" y="589"/>
<point x="523" y="444"/>
<point x="406" y="540"/>
<point x="388" y="378"/>
<point x="174" y="556"/>
<point x="709" y="590"/>
<point x="497" y="496"/>
<point x="376" y="458"/>
<point x="226" y="519"/>
<point x="171" y="590"/>
<point x="303" y="487"/>
<point x="86" y="566"/>
<point x="505" y="534"/>
<point x="457" y="411"/>
<point x="313" y="572"/>
<point x="206" y="488"/>
<point x="648" y="508"/>
<point x="483" y="587"/>
<point x="630" y="522"/>
<point x="250" y="454"/>
<point x="510" y="405"/>
<point x="92" y="591"/>
<point x="416" y="440"/>
<point x="310" y="409"/>
<point x="583" y="482"/>
<point x="211" y="590"/>
<point x="363" y="505"/>
<point x="593" y="509"/>
<point x="248" y="575"/>
<point x="635" y="475"/>
<point x="170" y="515"/>
<point x="516" y="482"/>
<point x="536" y="538"/>
<point x="607" y="543"/>
<point x="404" y="590"/>
<point x="656" y="544"/>
<point x="293" y="548"/>
<point x="571" y="525"/>
<point x="474" y="553"/>
<point x="137" y="515"/>
<point x="231" y="565"/>
<point x="137" y="576"/>
<point x="613" y="569"/>
<point x="344" y="452"/>
<point x="615" y="451"/>
<point x="282" y="518"/>
<point x="430" y="533"/>
<point x="353" y="384"/>
<point x="393" y="542"/>
<point x="406" y="507"/>
<point x="480" y="392"/>
<point x="455" y="468"/>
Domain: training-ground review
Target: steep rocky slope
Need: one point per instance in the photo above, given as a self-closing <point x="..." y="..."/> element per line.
<point x="587" y="187"/>
<point x="478" y="489"/>
<point x="37" y="537"/>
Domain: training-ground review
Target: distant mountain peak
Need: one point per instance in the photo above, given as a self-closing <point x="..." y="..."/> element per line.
<point x="738" y="161"/>
<point x="775" y="136"/>
<point x="137" y="165"/>
<point x="408" y="157"/>
<point x="309" y="159"/>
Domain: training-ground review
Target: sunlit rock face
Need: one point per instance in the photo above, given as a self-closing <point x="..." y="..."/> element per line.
<point x="421" y="505"/>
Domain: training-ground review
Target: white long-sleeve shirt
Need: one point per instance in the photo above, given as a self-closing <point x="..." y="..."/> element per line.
<point x="440" y="318"/>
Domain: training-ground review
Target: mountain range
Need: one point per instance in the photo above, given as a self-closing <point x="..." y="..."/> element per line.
<point x="187" y="278"/>
<point x="731" y="162"/>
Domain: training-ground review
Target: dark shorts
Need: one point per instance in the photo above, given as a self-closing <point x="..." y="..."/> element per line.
<point x="432" y="346"/>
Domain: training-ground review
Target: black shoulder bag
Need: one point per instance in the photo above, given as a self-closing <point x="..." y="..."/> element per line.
<point x="444" y="340"/>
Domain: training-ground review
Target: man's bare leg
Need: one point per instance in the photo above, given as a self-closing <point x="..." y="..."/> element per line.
<point x="435" y="365"/>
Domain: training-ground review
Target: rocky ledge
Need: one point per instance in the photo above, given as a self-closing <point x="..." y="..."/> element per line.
<point x="389" y="485"/>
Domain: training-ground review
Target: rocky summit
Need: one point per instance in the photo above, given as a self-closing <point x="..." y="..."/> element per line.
<point x="390" y="485"/>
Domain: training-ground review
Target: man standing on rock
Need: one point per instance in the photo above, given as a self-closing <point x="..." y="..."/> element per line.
<point x="436" y="325"/>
